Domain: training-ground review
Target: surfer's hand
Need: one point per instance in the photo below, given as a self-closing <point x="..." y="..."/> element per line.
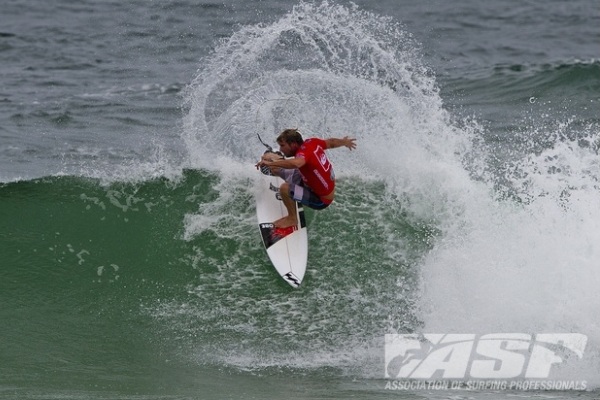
<point x="268" y="158"/>
<point x="260" y="164"/>
<point x="349" y="142"/>
<point x="264" y="162"/>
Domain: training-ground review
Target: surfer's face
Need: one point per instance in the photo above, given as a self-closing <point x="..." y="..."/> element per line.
<point x="288" y="149"/>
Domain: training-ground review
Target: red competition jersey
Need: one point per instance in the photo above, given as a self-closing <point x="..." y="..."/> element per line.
<point x="317" y="173"/>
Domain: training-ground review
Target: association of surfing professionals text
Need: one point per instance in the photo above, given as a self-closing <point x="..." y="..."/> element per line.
<point x="483" y="385"/>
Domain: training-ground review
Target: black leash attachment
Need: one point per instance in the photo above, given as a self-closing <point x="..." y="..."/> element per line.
<point x="269" y="148"/>
<point x="264" y="169"/>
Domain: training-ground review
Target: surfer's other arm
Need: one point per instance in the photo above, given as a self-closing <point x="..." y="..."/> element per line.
<point x="289" y="163"/>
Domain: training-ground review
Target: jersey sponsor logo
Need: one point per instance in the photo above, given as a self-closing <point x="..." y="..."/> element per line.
<point x="323" y="181"/>
<point x="322" y="158"/>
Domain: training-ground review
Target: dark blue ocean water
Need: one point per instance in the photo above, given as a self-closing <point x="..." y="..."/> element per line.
<point x="131" y="265"/>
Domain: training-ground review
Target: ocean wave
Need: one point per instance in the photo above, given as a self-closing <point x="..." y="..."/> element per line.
<point x="551" y="82"/>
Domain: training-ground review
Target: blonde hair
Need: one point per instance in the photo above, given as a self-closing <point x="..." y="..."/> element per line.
<point x="290" y="136"/>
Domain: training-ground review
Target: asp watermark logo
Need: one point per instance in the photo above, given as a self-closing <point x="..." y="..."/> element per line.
<point x="496" y="356"/>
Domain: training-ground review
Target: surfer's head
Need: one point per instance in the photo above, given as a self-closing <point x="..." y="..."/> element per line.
<point x="289" y="142"/>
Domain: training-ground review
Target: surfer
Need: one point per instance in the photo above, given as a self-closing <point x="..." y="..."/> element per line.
<point x="307" y="172"/>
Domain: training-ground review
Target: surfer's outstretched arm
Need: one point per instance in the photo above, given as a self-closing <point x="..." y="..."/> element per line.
<point x="346" y="141"/>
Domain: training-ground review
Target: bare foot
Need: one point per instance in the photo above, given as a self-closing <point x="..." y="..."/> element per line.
<point x="285" y="222"/>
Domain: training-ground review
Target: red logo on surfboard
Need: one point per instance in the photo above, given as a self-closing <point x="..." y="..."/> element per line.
<point x="272" y="235"/>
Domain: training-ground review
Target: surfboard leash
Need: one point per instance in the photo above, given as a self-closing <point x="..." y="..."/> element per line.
<point x="269" y="148"/>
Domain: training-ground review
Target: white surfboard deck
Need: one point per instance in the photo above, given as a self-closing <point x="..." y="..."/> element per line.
<point x="287" y="248"/>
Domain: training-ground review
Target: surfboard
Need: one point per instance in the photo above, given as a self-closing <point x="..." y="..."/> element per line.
<point x="287" y="248"/>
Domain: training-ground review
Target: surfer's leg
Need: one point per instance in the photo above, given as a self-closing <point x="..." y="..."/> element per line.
<point x="295" y="178"/>
<point x="290" y="204"/>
